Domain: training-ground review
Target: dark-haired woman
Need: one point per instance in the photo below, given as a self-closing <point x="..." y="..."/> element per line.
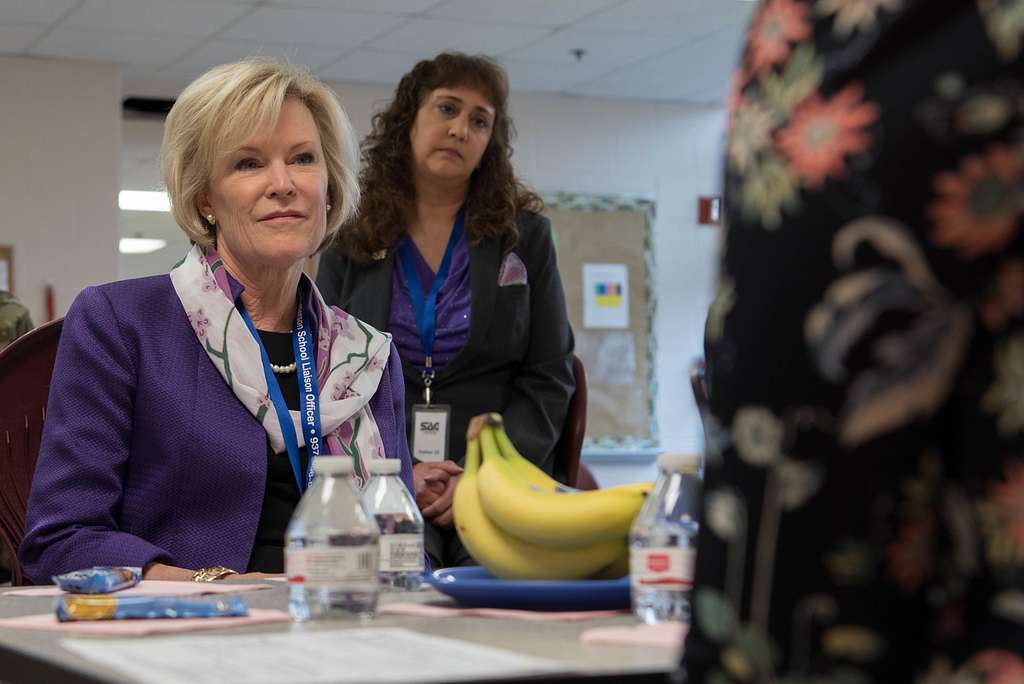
<point x="450" y="255"/>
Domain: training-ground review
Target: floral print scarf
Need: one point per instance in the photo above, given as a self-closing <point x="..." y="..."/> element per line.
<point x="350" y="359"/>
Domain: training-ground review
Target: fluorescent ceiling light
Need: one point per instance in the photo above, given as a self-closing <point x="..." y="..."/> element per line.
<point x="140" y="245"/>
<point x="138" y="200"/>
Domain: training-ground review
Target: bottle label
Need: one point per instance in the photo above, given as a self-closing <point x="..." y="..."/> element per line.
<point x="661" y="567"/>
<point x="401" y="552"/>
<point x="334" y="564"/>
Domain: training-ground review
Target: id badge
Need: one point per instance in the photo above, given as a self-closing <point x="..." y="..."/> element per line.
<point x="430" y="432"/>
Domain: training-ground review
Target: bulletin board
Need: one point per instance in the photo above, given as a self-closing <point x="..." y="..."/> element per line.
<point x="596" y="236"/>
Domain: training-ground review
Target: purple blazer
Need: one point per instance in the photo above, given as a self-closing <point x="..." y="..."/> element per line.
<point x="146" y="454"/>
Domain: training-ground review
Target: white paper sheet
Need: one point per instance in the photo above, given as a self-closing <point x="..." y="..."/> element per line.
<point x="606" y="296"/>
<point x="383" y="655"/>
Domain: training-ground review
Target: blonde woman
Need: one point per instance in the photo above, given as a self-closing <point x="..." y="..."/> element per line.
<point x="173" y="439"/>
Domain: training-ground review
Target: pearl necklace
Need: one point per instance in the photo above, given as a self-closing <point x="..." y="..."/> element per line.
<point x="283" y="370"/>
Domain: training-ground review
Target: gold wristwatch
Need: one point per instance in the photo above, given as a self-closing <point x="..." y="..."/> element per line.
<point x="211" y="574"/>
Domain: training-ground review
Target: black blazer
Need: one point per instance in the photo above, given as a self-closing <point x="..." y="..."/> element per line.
<point x="518" y="356"/>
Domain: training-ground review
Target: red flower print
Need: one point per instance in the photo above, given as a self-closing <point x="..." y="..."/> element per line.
<point x="779" y="23"/>
<point x="998" y="667"/>
<point x="199" y="322"/>
<point x="209" y="284"/>
<point x="910" y="556"/>
<point x="342" y="392"/>
<point x="341" y="326"/>
<point x="1008" y="497"/>
<point x="821" y="133"/>
<point x="978" y="206"/>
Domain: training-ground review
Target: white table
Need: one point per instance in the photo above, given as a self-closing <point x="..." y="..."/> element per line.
<point x="38" y="656"/>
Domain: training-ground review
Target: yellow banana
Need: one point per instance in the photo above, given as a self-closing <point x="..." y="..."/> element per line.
<point x="525" y="469"/>
<point x="570" y="519"/>
<point x="620" y="568"/>
<point x="531" y="474"/>
<point x="510" y="558"/>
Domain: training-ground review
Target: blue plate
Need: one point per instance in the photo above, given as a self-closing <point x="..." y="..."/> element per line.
<point x="474" y="587"/>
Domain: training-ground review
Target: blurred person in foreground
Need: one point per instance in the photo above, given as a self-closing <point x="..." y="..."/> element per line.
<point x="449" y="253"/>
<point x="174" y="439"/>
<point x="864" y="501"/>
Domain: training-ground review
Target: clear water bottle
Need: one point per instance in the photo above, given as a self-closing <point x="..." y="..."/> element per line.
<point x="332" y="548"/>
<point x="393" y="508"/>
<point x="663" y="542"/>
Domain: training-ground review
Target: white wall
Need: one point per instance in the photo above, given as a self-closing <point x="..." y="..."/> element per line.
<point x="60" y="140"/>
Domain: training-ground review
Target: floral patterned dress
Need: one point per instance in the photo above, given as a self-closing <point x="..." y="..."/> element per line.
<point x="864" y="491"/>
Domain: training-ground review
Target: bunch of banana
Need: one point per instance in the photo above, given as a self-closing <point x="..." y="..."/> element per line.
<point x="521" y="524"/>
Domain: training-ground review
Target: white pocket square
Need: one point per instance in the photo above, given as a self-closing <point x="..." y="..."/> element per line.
<point x="512" y="271"/>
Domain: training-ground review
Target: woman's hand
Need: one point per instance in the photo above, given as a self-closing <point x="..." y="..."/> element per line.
<point x="430" y="480"/>
<point x="253" y="576"/>
<point x="159" y="571"/>
<point x="440" y="512"/>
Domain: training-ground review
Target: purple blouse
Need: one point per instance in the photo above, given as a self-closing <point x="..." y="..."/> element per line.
<point x="453" y="303"/>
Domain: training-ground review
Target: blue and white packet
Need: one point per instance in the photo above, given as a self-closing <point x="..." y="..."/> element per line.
<point x="98" y="580"/>
<point x="81" y="608"/>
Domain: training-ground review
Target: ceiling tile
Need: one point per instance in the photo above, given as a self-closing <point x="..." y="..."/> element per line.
<point x="136" y="73"/>
<point x="631" y="86"/>
<point x="428" y="37"/>
<point x="602" y="48"/>
<point x="369" y="66"/>
<point x="404" y="7"/>
<point x="155" y="17"/>
<point x="645" y="49"/>
<point x="670" y="17"/>
<point x="218" y="52"/>
<point x="529" y="12"/>
<point x="123" y="48"/>
<point x="15" y="39"/>
<point x="314" y="27"/>
<point x="549" y="78"/>
<point x="36" y="11"/>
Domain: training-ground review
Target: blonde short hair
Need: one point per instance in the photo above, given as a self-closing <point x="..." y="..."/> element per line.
<point x="219" y="110"/>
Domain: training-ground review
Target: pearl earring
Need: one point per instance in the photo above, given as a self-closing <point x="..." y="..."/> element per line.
<point x="328" y="207"/>
<point x="211" y="219"/>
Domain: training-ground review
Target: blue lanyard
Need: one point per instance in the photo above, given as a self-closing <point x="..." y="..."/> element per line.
<point x="425" y="307"/>
<point x="303" y="337"/>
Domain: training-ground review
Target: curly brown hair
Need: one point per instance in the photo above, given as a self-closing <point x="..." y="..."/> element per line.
<point x="495" y="195"/>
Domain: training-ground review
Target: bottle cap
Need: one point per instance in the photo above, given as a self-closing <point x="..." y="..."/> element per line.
<point x="679" y="463"/>
<point x="333" y="465"/>
<point x="384" y="466"/>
